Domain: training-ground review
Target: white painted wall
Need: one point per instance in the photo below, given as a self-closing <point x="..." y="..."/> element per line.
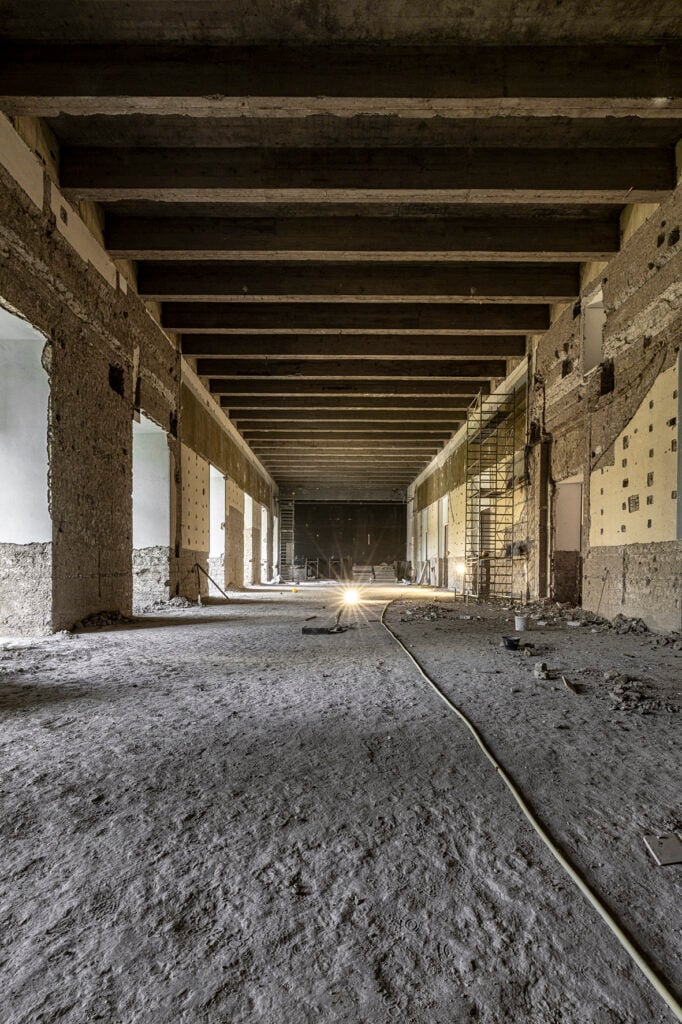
<point x="264" y="541"/>
<point x="249" y="524"/>
<point x="217" y="513"/>
<point x="24" y="393"/>
<point x="151" y="485"/>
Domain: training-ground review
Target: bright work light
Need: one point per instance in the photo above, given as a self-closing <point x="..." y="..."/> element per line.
<point x="351" y="597"/>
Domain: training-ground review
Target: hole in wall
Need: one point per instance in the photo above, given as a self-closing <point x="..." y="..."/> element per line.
<point x="607" y="381"/>
<point x="117" y="379"/>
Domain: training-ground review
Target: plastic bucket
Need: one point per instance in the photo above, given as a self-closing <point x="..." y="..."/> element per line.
<point x="520" y="623"/>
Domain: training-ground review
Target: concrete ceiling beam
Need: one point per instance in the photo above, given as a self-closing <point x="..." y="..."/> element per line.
<point x="340" y="445"/>
<point x="376" y="431"/>
<point x="498" y="175"/>
<point x="350" y="390"/>
<point x="200" y="80"/>
<point x="464" y="237"/>
<point x="276" y="419"/>
<point x="477" y="282"/>
<point x="288" y="318"/>
<point x="321" y="405"/>
<point x="350" y="370"/>
<point x="353" y="346"/>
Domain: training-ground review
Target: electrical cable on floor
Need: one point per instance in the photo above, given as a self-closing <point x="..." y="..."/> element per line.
<point x="661" y="987"/>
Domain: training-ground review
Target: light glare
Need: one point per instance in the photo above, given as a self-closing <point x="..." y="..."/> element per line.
<point x="351" y="597"/>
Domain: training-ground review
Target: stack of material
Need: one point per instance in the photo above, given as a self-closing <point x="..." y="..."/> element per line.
<point x="363" y="574"/>
<point x="384" y="574"/>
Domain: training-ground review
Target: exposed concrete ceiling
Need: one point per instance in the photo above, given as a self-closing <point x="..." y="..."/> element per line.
<point x="507" y="22"/>
<point x="353" y="214"/>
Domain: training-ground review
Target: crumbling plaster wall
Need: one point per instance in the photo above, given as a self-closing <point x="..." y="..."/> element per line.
<point x="106" y="356"/>
<point x="101" y="344"/>
<point x="582" y="420"/>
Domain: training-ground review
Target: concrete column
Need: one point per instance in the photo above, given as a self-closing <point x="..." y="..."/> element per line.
<point x="234" y="537"/>
<point x="91" y="478"/>
<point x="194" y="524"/>
<point x="538" y="519"/>
<point x="151" y="513"/>
<point x="25" y="522"/>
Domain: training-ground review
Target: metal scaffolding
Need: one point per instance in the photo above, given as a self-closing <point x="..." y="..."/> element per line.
<point x="493" y="436"/>
<point x="286" y="539"/>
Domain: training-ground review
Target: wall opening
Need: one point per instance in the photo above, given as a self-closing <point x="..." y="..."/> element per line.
<point x="346" y="539"/>
<point x="593" y="319"/>
<point x="275" y="546"/>
<point x="151" y="513"/>
<point x="265" y="566"/>
<point x="251" y="549"/>
<point x="567" y="546"/>
<point x="443" y="541"/>
<point x="25" y="520"/>
<point x="217" y="519"/>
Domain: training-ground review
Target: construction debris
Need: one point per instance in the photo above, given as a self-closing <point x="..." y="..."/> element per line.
<point x="634" y="695"/>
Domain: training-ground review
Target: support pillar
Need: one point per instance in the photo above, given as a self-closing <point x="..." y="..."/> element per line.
<point x="193" y="524"/>
<point x="234" y="536"/>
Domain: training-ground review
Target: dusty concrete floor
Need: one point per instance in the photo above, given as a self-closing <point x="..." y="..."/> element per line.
<point x="209" y="817"/>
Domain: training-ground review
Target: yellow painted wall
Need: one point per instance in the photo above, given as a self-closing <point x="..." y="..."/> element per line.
<point x="234" y="496"/>
<point x="195" y="522"/>
<point x="457" y="523"/>
<point x="644" y="473"/>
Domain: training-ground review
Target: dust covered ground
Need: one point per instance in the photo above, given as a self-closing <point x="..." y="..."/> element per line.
<point x="209" y="817"/>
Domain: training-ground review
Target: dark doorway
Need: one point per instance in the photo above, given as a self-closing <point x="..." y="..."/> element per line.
<point x="351" y="532"/>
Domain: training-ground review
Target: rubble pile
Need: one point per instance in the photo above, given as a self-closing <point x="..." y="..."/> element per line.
<point x="100" y="620"/>
<point x="635" y="695"/>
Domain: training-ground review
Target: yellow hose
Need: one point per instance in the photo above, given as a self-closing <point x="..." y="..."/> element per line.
<point x="661" y="987"/>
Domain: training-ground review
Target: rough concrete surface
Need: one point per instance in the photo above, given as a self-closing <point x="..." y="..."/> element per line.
<point x="636" y="579"/>
<point x="25" y="588"/>
<point x="216" y="569"/>
<point x="208" y="817"/>
<point x="151" y="575"/>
